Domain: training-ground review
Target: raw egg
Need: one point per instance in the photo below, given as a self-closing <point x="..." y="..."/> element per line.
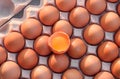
<point x="3" y="55"/>
<point x="49" y="14"/>
<point x="31" y="28"/>
<point x="112" y="0"/>
<point x="90" y="65"/>
<point x="117" y="38"/>
<point x="77" y="48"/>
<point x="104" y="75"/>
<point x="118" y="8"/>
<point x="41" y="72"/>
<point x="115" y="68"/>
<point x="10" y="70"/>
<point x="93" y="34"/>
<point x="96" y="6"/>
<point x="41" y="45"/>
<point x="110" y="21"/>
<point x="14" y="42"/>
<point x="108" y="51"/>
<point x="65" y="5"/>
<point x="64" y="26"/>
<point x="72" y="74"/>
<point x="58" y="63"/>
<point x="79" y="17"/>
<point x="59" y="42"/>
<point x="27" y="58"/>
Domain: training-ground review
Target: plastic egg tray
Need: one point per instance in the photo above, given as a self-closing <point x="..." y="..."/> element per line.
<point x="9" y="8"/>
<point x="32" y="11"/>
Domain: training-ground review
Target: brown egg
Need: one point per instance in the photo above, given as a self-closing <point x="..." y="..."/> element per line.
<point x="77" y="48"/>
<point x="93" y="34"/>
<point x="72" y="74"/>
<point x="48" y="15"/>
<point x="104" y="75"/>
<point x="41" y="45"/>
<point x="10" y="70"/>
<point x="79" y="17"/>
<point x="58" y="63"/>
<point x="118" y="8"/>
<point x="41" y="72"/>
<point x="64" y="26"/>
<point x="59" y="42"/>
<point x="110" y="21"/>
<point x="65" y="5"/>
<point x="117" y="38"/>
<point x="27" y="58"/>
<point x="115" y="68"/>
<point x="90" y="65"/>
<point x="3" y="55"/>
<point x="108" y="51"/>
<point x="31" y="28"/>
<point x="112" y="0"/>
<point x="14" y="42"/>
<point x="96" y="6"/>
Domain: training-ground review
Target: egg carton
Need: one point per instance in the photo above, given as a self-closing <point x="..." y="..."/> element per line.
<point x="9" y="8"/>
<point x="32" y="11"/>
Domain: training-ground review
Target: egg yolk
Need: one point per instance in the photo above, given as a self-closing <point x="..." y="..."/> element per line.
<point x="59" y="43"/>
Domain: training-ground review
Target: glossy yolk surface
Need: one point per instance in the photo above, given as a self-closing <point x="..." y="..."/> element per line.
<point x="59" y="43"/>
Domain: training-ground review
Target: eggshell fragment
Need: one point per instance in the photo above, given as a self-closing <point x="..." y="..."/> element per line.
<point x="41" y="72"/>
<point x="72" y="74"/>
<point x="27" y="58"/>
<point x="58" y="63"/>
<point x="79" y="17"/>
<point x="117" y="38"/>
<point x="3" y="55"/>
<point x="77" y="48"/>
<point x="115" y="68"/>
<point x="96" y="6"/>
<point x="108" y="51"/>
<point x="41" y="45"/>
<point x="104" y="75"/>
<point x="59" y="42"/>
<point x="10" y="70"/>
<point x="90" y="65"/>
<point x="110" y="21"/>
<point x="31" y="28"/>
<point x="64" y="26"/>
<point x="49" y="14"/>
<point x="65" y="5"/>
<point x="93" y="34"/>
<point x="14" y="42"/>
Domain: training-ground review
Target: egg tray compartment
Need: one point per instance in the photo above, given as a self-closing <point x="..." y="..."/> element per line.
<point x="8" y="8"/>
<point x="32" y="11"/>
